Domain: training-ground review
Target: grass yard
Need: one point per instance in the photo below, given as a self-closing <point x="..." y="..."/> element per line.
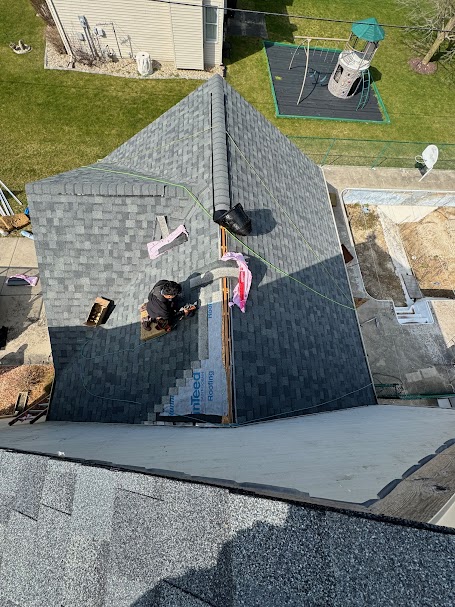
<point x="52" y="121"/>
<point x="421" y="108"/>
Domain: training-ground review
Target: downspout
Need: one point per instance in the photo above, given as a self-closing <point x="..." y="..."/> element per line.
<point x="172" y="36"/>
<point x="61" y="31"/>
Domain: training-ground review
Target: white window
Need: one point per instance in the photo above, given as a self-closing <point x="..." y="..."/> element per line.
<point x="210" y="24"/>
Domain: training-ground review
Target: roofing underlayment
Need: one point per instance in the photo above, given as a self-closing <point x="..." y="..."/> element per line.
<point x="296" y="349"/>
<point x="87" y="536"/>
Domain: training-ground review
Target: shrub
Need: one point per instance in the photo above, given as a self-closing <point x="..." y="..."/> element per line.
<point x="54" y="38"/>
<point x="42" y="9"/>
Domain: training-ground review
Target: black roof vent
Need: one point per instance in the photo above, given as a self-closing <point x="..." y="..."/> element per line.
<point x="235" y="220"/>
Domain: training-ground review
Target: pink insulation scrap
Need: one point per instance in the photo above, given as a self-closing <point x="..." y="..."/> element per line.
<point x="242" y="288"/>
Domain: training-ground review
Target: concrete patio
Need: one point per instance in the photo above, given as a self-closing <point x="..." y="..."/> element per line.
<point x="21" y="307"/>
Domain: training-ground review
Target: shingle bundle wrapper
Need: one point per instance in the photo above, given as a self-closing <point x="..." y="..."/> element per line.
<point x="21" y="280"/>
<point x="158" y="247"/>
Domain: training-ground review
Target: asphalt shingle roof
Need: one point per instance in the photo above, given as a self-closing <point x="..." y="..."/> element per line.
<point x="292" y="350"/>
<point x="88" y="536"/>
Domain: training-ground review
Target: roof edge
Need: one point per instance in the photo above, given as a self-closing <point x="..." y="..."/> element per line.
<point x="282" y="494"/>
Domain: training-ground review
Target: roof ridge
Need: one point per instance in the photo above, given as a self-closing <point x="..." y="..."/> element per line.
<point x="220" y="175"/>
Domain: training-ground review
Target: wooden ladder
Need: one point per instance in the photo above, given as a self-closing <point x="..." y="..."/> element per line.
<point x="32" y="413"/>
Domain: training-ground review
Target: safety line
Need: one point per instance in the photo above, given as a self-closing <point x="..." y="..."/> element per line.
<point x="109" y="353"/>
<point x="306" y="17"/>
<point x="319" y="257"/>
<point x="192" y="418"/>
<point x="252" y="251"/>
<point x="284" y="415"/>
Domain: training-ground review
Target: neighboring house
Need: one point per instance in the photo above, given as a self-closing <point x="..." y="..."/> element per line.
<point x="296" y="350"/>
<point x="190" y="37"/>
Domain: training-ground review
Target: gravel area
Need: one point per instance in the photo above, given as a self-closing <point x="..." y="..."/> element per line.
<point x="125" y="68"/>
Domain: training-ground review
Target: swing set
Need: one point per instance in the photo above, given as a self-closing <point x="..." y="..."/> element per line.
<point x="324" y="51"/>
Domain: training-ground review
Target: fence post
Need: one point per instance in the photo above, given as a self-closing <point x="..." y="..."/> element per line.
<point x="328" y="151"/>
<point x="381" y="154"/>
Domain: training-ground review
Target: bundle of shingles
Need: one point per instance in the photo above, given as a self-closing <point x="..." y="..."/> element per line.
<point x="8" y="219"/>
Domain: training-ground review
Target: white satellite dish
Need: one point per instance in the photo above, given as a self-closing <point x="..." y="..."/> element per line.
<point x="144" y="65"/>
<point x="428" y="158"/>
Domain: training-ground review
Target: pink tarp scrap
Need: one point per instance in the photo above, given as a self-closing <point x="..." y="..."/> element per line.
<point x="17" y="278"/>
<point x="158" y="247"/>
<point x="242" y="288"/>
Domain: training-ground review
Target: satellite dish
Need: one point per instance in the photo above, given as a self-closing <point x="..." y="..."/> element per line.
<point x="428" y="158"/>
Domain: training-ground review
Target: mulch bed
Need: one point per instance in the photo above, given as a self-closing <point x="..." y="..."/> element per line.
<point x="417" y="66"/>
<point x="36" y="379"/>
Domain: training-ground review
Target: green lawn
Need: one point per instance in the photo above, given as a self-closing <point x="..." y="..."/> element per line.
<point x="421" y="108"/>
<point x="52" y="121"/>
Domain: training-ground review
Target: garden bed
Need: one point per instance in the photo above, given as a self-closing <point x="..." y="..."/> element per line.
<point x="125" y="68"/>
<point x="378" y="272"/>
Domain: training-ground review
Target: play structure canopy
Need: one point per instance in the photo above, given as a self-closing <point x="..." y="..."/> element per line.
<point x="368" y="29"/>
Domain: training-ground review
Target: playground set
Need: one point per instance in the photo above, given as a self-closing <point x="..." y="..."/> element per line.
<point x="324" y="82"/>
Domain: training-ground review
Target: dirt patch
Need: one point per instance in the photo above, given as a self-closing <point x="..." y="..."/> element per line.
<point x="376" y="265"/>
<point x="430" y="247"/>
<point x="35" y="379"/>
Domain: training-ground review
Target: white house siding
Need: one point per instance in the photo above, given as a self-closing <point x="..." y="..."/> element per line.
<point x="147" y="24"/>
<point x="188" y="34"/>
<point x="213" y="51"/>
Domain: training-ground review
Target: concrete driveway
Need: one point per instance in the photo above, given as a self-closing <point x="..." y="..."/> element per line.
<point x="21" y="308"/>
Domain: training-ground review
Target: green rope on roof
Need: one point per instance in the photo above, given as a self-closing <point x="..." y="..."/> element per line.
<point x="296" y="227"/>
<point x="198" y="202"/>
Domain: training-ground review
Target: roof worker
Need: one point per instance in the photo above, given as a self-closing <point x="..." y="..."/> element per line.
<point x="162" y="306"/>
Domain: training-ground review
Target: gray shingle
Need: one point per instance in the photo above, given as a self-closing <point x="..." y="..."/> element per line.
<point x="164" y="542"/>
<point x="293" y="349"/>
<point x="30" y="486"/>
<point x="308" y="349"/>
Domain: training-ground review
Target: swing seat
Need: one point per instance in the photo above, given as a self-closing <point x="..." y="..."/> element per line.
<point x="316" y="77"/>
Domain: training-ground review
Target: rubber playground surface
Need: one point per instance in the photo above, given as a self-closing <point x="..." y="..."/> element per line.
<point x="316" y="100"/>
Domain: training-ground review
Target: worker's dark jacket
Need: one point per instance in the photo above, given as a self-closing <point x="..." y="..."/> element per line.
<point x="158" y="306"/>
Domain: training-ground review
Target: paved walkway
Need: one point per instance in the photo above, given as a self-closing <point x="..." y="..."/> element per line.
<point x="341" y="178"/>
<point x="21" y="308"/>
